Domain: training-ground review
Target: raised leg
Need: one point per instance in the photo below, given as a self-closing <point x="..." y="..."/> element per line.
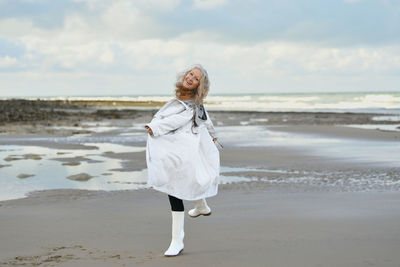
<point x="200" y="208"/>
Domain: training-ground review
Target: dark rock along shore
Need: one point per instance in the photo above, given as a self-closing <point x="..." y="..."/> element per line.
<point x="47" y="111"/>
<point x="20" y="110"/>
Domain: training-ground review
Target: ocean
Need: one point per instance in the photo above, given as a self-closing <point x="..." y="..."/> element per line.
<point x="364" y="102"/>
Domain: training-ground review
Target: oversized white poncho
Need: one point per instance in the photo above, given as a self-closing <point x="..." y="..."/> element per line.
<point x="182" y="162"/>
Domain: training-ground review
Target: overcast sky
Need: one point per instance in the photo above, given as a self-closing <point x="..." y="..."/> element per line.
<point x="121" y="47"/>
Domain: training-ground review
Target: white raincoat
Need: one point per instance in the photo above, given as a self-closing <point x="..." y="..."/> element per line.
<point x="180" y="162"/>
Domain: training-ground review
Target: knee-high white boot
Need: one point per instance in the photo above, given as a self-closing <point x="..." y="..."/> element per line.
<point x="200" y="208"/>
<point x="178" y="233"/>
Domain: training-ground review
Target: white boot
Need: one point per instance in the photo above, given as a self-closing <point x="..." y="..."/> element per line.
<point x="176" y="245"/>
<point x="200" y="208"/>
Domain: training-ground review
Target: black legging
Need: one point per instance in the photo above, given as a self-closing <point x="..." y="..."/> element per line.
<point x="176" y="203"/>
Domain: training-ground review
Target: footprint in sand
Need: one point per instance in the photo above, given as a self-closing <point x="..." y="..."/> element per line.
<point x="62" y="254"/>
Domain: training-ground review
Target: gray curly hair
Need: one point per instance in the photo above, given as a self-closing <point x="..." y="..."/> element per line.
<point x="201" y="91"/>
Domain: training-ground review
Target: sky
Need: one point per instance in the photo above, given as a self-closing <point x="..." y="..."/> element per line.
<point x="137" y="47"/>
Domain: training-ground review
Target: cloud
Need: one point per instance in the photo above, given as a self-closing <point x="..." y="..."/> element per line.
<point x="208" y="4"/>
<point x="158" y="5"/>
<point x="82" y="41"/>
<point x="123" y="20"/>
<point x="149" y="66"/>
<point x="137" y="45"/>
<point x="12" y="27"/>
<point x="332" y="23"/>
<point x="245" y="60"/>
<point x="121" y="38"/>
<point x="7" y="61"/>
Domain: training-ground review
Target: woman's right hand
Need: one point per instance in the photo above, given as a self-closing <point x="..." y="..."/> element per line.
<point x="148" y="129"/>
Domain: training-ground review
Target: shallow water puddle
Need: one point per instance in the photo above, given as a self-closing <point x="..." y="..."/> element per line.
<point x="20" y="174"/>
<point x="385" y="153"/>
<point x="29" y="168"/>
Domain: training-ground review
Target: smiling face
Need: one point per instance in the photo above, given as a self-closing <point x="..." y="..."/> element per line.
<point x="192" y="79"/>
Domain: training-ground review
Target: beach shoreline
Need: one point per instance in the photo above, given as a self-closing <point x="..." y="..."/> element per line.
<point x="290" y="197"/>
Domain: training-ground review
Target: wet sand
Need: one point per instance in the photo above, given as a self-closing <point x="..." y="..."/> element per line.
<point x="262" y="222"/>
<point x="339" y="131"/>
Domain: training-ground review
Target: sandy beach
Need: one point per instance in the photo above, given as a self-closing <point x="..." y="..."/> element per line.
<point x="300" y="98"/>
<point x="249" y="226"/>
<point x="297" y="189"/>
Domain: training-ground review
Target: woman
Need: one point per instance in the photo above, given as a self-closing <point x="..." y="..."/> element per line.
<point x="182" y="159"/>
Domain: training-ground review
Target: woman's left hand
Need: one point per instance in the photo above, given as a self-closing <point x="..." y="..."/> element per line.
<point x="148" y="129"/>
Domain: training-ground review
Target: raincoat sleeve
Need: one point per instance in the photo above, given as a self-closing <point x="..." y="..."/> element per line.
<point x="210" y="126"/>
<point x="161" y="125"/>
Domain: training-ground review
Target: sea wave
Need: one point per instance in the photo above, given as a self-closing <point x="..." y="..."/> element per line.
<point x="388" y="102"/>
